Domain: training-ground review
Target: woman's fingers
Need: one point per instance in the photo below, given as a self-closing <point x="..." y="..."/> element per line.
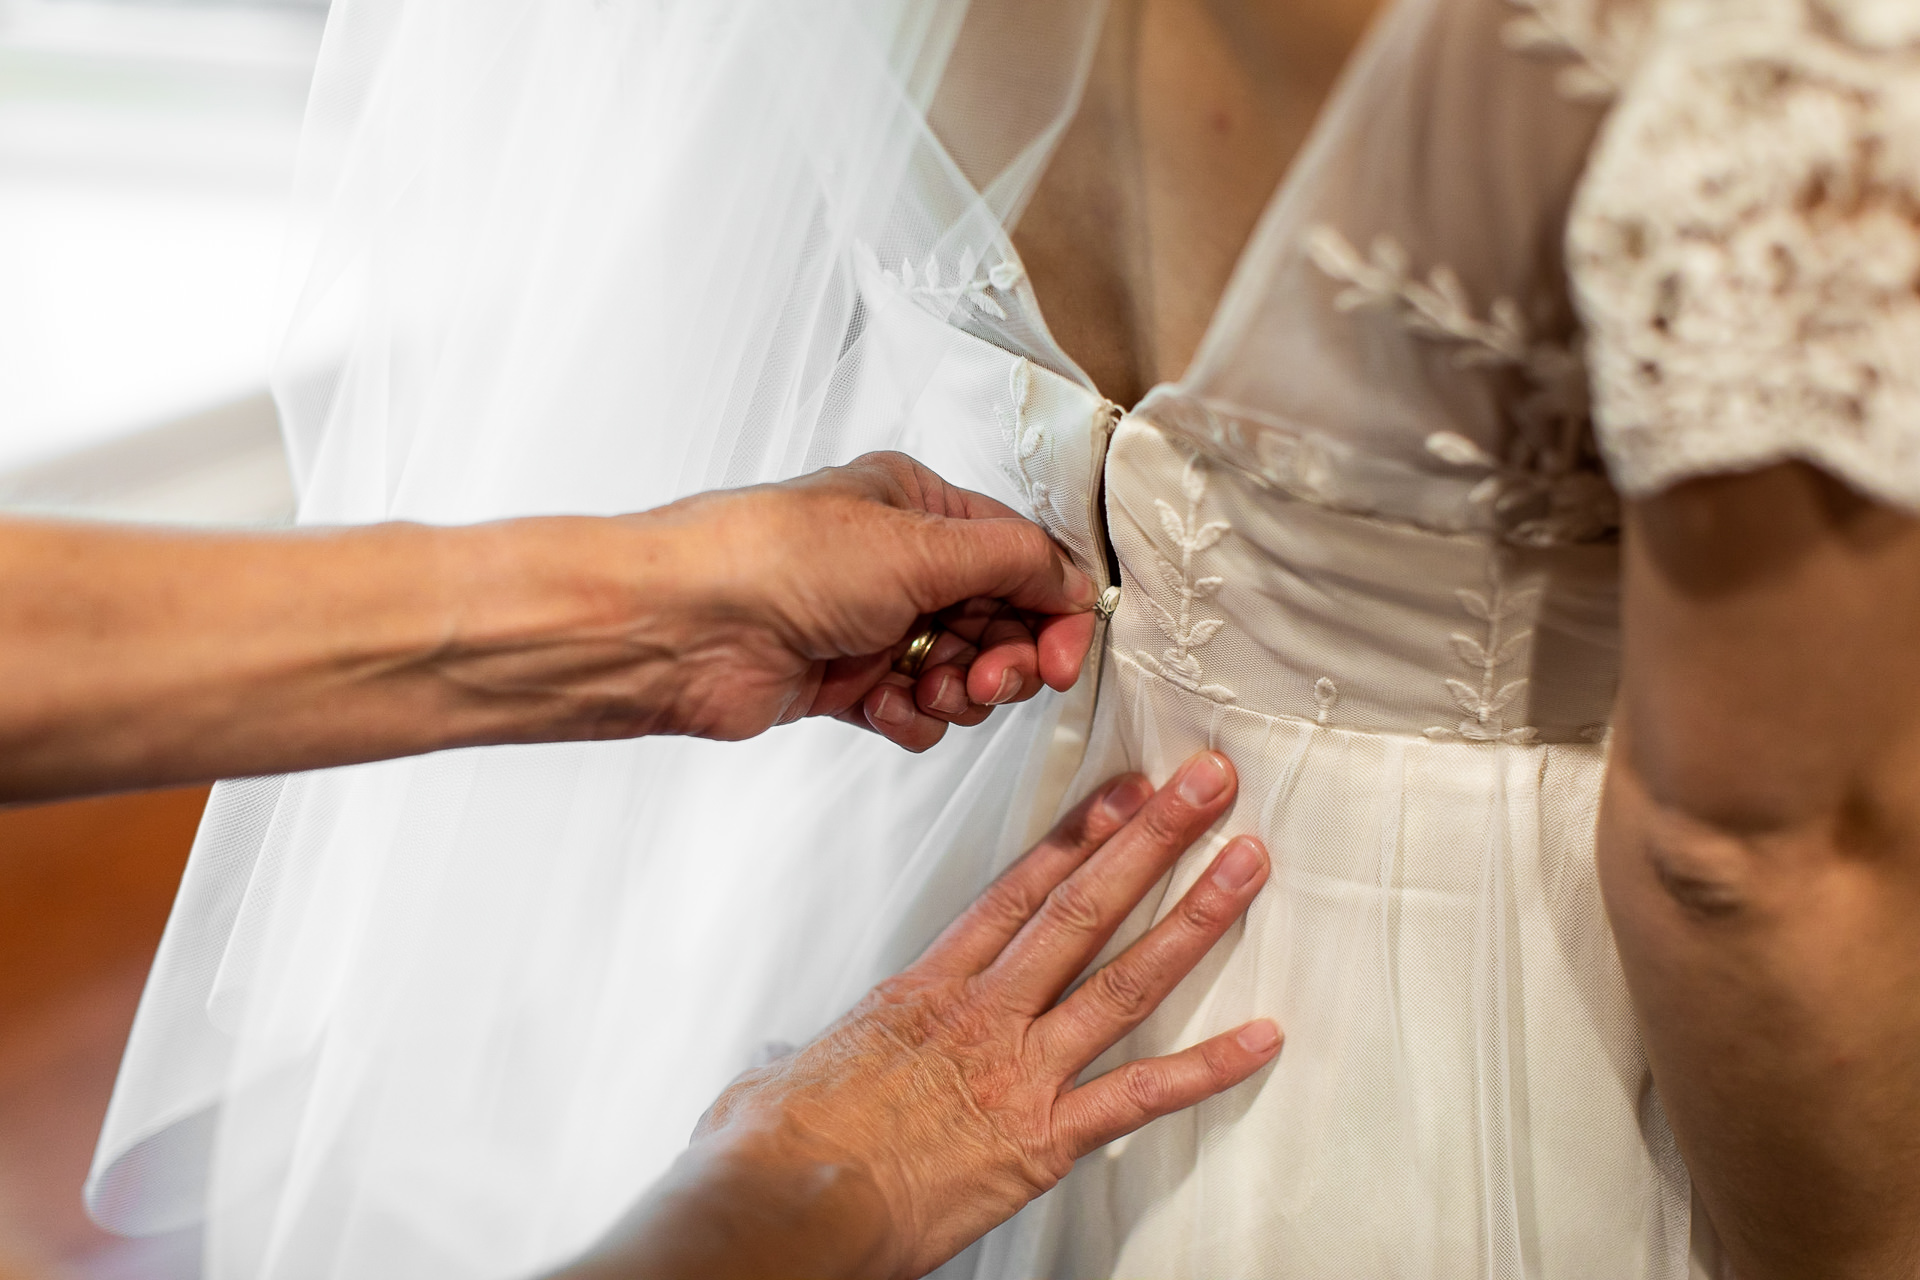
<point x="1008" y="668"/>
<point x="1119" y="995"/>
<point x="942" y="693"/>
<point x="982" y="931"/>
<point x="889" y="709"/>
<point x="1063" y="643"/>
<point x="1082" y="911"/>
<point x="1127" y="1097"/>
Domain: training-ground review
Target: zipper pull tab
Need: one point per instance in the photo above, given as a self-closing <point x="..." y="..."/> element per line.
<point x="1108" y="602"/>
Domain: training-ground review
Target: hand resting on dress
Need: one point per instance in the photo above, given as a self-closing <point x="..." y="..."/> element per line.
<point x="947" y="1099"/>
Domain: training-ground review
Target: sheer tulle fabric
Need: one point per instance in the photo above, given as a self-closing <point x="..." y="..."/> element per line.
<point x="445" y="1016"/>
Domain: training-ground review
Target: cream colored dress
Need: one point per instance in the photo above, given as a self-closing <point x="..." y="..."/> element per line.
<point x="1367" y="549"/>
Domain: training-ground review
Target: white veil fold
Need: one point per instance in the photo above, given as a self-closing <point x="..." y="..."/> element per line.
<point x="445" y="1016"/>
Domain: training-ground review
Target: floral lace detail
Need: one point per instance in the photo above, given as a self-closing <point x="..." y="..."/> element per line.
<point x="1549" y="489"/>
<point x="1486" y="699"/>
<point x="1177" y="663"/>
<point x="1602" y="43"/>
<point x="929" y="285"/>
<point x="1746" y="248"/>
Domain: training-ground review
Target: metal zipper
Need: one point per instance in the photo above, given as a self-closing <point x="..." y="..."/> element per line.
<point x="1110" y="588"/>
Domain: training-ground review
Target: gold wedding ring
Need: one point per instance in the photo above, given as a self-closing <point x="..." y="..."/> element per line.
<point x="910" y="662"/>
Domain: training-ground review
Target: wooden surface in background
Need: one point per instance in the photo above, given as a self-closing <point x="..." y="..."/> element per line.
<point x="85" y="888"/>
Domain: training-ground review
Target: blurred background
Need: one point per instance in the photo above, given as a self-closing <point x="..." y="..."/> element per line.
<point x="146" y="155"/>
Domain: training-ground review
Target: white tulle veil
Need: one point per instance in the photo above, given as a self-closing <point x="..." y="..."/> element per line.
<point x="445" y="1016"/>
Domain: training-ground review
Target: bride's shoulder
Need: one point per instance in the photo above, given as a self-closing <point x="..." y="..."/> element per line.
<point x="1745" y="244"/>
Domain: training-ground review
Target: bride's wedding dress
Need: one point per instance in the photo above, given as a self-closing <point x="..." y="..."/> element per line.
<point x="445" y="1016"/>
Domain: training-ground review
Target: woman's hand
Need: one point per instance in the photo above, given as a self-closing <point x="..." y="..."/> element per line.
<point x="946" y="1100"/>
<point x="141" y="657"/>
<point x="797" y="598"/>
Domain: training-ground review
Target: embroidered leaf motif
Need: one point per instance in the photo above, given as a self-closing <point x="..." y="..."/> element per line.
<point x="1445" y="282"/>
<point x="933" y="272"/>
<point x="1204" y="630"/>
<point x="1499" y="701"/>
<point x="906" y="273"/>
<point x="1207" y="535"/>
<point x="1171" y="523"/>
<point x="1489" y="699"/>
<point x="988" y="305"/>
<point x="1193" y="481"/>
<point x="1550" y="458"/>
<point x="1190" y="537"/>
<point x="1466" y="695"/>
<point x="1486" y="491"/>
<point x="1184" y="664"/>
<point x="1005" y="274"/>
<point x="1390" y="257"/>
<point x="1454" y="448"/>
<point x="1471" y="651"/>
<point x="1167" y="622"/>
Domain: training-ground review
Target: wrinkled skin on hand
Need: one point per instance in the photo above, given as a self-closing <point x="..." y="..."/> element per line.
<point x="806" y="592"/>
<point x="951" y="1089"/>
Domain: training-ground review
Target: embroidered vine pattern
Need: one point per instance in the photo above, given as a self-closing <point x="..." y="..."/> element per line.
<point x="1190" y="536"/>
<point x="1486" y="699"/>
<point x="1549" y="489"/>
<point x="929" y="284"/>
<point x="1602" y="46"/>
<point x="1027" y="439"/>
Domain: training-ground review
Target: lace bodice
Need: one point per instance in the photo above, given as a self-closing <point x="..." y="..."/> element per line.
<point x="1746" y="247"/>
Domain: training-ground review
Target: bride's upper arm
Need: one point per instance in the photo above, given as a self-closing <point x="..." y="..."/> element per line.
<point x="1771" y="675"/>
<point x="1746" y="258"/>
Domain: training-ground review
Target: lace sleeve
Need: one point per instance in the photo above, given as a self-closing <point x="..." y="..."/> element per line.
<point x="1745" y="247"/>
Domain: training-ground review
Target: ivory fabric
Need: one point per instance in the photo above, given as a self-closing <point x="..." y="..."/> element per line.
<point x="447" y="1016"/>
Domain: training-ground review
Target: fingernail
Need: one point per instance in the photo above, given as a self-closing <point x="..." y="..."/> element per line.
<point x="1203" y="779"/>
<point x="951" y="696"/>
<point x="1009" y="685"/>
<point x="1125" y="800"/>
<point x="1260" y="1037"/>
<point x="890" y="710"/>
<point x="1237" y="866"/>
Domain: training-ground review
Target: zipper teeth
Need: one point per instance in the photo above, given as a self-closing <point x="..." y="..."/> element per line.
<point x="1110" y="589"/>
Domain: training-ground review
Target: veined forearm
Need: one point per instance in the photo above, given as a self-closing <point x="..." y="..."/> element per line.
<point x="140" y="658"/>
